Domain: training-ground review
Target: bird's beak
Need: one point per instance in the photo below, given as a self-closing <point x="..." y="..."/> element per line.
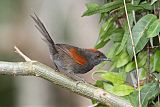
<point x="106" y="59"/>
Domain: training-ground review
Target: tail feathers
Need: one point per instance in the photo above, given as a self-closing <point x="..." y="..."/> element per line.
<point x="40" y="26"/>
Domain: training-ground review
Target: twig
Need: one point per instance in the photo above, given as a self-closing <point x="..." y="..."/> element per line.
<point x="133" y="13"/>
<point x="153" y="47"/>
<point x="134" y="52"/>
<point x="21" y="54"/>
<point x="148" y="63"/>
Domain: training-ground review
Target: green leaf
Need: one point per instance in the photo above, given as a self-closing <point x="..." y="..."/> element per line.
<point x="126" y="34"/>
<point x="99" y="83"/>
<point x="154" y="29"/>
<point x="139" y="33"/>
<point x="106" y="30"/>
<point x="91" y="5"/>
<point x="122" y="90"/>
<point x="157" y="75"/>
<point x="117" y="35"/>
<point x="115" y="78"/>
<point x="148" y="92"/>
<point x="138" y="7"/>
<point x="119" y="90"/>
<point x="105" y="27"/>
<point x="146" y="6"/>
<point x="156" y="65"/>
<point x="153" y="1"/>
<point x="104" y="8"/>
<point x="100" y="44"/>
<point x="108" y="87"/>
<point x="129" y="67"/>
<point x="123" y="42"/>
<point x="111" y="52"/>
<point x="141" y="59"/>
<point x="122" y="59"/>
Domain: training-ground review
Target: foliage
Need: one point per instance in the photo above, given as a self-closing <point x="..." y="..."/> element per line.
<point x="120" y="79"/>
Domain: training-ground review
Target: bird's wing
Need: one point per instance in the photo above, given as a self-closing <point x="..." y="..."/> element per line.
<point x="73" y="53"/>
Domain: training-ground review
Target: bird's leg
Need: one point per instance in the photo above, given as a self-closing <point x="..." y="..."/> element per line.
<point x="76" y="77"/>
<point x="56" y="68"/>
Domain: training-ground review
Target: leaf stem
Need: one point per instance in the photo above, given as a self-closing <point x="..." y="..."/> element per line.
<point x="135" y="58"/>
<point x="133" y="13"/>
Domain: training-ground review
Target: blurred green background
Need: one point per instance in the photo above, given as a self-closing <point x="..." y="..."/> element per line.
<point x="64" y="22"/>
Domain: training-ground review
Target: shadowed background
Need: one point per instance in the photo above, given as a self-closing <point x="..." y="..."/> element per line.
<point x="63" y="20"/>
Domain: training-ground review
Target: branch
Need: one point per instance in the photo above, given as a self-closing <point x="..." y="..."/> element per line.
<point x="34" y="68"/>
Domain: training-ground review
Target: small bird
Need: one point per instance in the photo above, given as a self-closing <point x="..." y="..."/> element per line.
<point x="69" y="58"/>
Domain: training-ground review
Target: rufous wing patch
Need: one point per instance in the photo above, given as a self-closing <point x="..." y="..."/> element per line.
<point x="77" y="57"/>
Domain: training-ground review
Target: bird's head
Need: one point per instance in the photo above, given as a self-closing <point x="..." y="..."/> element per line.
<point x="95" y="57"/>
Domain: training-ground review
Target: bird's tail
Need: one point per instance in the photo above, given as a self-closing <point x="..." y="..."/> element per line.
<point x="40" y="26"/>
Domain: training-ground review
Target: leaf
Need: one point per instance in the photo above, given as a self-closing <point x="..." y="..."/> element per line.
<point x="130" y="66"/>
<point x="108" y="87"/>
<point x="123" y="42"/>
<point x="104" y="8"/>
<point x="141" y="59"/>
<point x="148" y="92"/>
<point x="122" y="59"/>
<point x="157" y="75"/>
<point x="122" y="90"/>
<point x="111" y="52"/>
<point x="117" y="35"/>
<point x="154" y="29"/>
<point x="106" y="30"/>
<point x="146" y="6"/>
<point x="119" y="90"/>
<point x="139" y="33"/>
<point x="115" y="78"/>
<point x="156" y="65"/>
<point x="153" y="1"/>
<point x="91" y="5"/>
<point x="126" y="34"/>
<point x="138" y="7"/>
<point x="99" y="83"/>
<point x="100" y="44"/>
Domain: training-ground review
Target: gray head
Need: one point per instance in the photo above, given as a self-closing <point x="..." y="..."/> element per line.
<point x="95" y="57"/>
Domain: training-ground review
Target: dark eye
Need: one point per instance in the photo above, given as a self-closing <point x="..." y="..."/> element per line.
<point x="98" y="56"/>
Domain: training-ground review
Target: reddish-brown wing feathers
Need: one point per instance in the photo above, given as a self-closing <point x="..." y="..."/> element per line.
<point x="78" y="58"/>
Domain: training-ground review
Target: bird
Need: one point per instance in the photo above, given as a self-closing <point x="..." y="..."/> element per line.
<point x="70" y="59"/>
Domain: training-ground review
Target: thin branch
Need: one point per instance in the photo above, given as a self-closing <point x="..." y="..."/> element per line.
<point x="133" y="13"/>
<point x="134" y="52"/>
<point x="148" y="63"/>
<point x="21" y="54"/>
<point x="33" y="68"/>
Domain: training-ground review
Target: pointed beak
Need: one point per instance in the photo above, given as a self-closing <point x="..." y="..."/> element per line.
<point x="106" y="59"/>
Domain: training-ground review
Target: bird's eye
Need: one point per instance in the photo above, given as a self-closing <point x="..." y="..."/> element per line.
<point x="98" y="55"/>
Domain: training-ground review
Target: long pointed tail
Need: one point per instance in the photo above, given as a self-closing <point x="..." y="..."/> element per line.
<point x="40" y="26"/>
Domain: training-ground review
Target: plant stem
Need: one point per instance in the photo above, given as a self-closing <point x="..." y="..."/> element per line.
<point x="134" y="52"/>
<point x="133" y="13"/>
